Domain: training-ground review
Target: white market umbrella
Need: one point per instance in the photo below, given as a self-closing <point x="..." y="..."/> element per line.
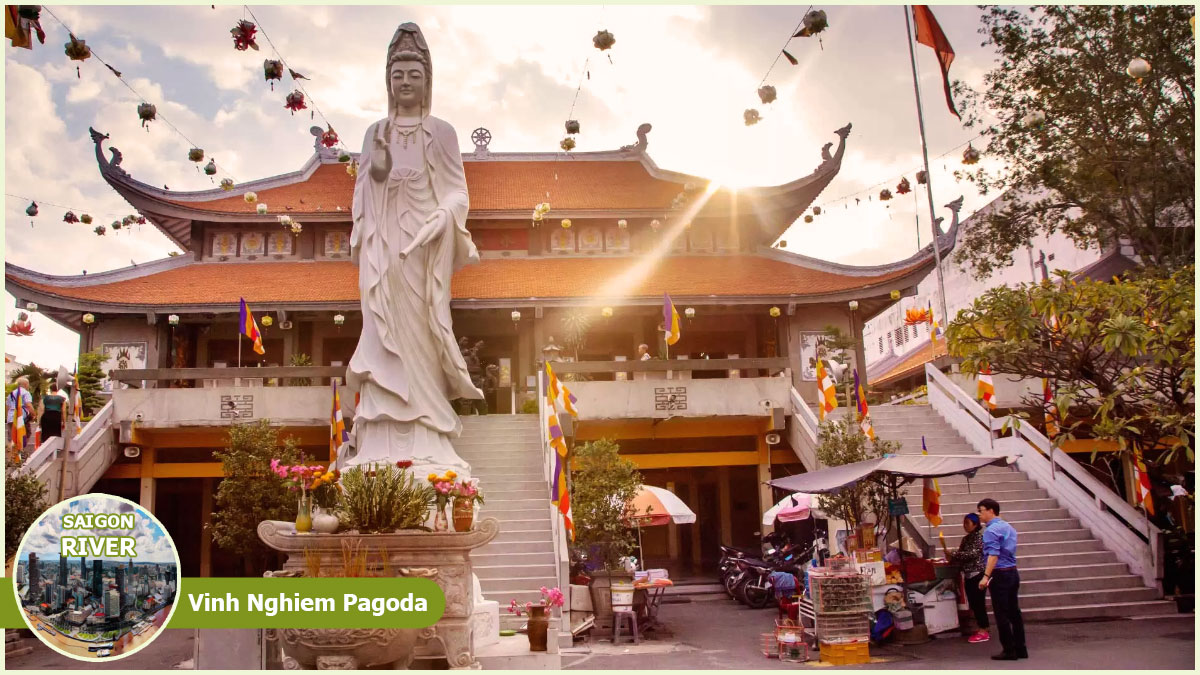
<point x="794" y="507"/>
<point x="658" y="506"/>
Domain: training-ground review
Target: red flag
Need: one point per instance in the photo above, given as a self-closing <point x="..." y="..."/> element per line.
<point x="930" y="34"/>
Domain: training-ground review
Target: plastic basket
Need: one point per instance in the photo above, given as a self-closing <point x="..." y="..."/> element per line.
<point x="845" y="653"/>
<point x="843" y="628"/>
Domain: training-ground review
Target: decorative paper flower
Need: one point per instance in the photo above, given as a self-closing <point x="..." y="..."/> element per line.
<point x="272" y="70"/>
<point x="913" y="317"/>
<point x="21" y="327"/>
<point x="295" y="101"/>
<point x="140" y="220"/>
<point x="227" y="184"/>
<point x="566" y="223"/>
<point x="147" y="112"/>
<point x="352" y="169"/>
<point x="567" y="144"/>
<point x="329" y="138"/>
<point x="572" y="126"/>
<point x="922" y="177"/>
<point x="70" y="218"/>
<point x="196" y="154"/>
<point x="970" y="155"/>
<point x="774" y="312"/>
<point x="210" y="168"/>
<point x="100" y="230"/>
<point x="766" y="94"/>
<point x="77" y="50"/>
<point x="85" y="219"/>
<point x="243" y="36"/>
<point x="604" y="40"/>
<point x="250" y="197"/>
<point x="751" y="117"/>
<point x="296" y="227"/>
<point x="885" y="194"/>
<point x="903" y="187"/>
<point x="814" y="22"/>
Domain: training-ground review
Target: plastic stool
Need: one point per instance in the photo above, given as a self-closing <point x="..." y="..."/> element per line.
<point x="618" y="616"/>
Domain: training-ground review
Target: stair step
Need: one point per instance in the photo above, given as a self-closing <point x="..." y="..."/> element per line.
<point x="1023" y="538"/>
<point x="499" y="485"/>
<point x="508" y="571"/>
<point x="1039" y="560"/>
<point x="1070" y="598"/>
<point x="508" y="535"/>
<point x="504" y="515"/>
<point x="541" y="546"/>
<point x="1022" y="515"/>
<point x="1072" y="571"/>
<point x="1005" y="497"/>
<point x="978" y="489"/>
<point x="496" y="586"/>
<point x="1121" y="581"/>
<point x="521" y="596"/>
<point x="967" y="503"/>
<point x="1115" y="609"/>
<point x="541" y="495"/>
<point x="511" y="560"/>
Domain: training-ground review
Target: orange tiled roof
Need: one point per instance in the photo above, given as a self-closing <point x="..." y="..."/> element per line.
<point x="492" y="279"/>
<point x="913" y="363"/>
<point x="499" y="185"/>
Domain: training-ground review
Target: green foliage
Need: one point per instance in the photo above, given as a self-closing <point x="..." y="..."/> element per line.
<point x="529" y="407"/>
<point x="1117" y="156"/>
<point x="383" y="499"/>
<point x="1121" y="355"/>
<point x="88" y="380"/>
<point x="24" y="501"/>
<point x="300" y="360"/>
<point x="603" y="485"/>
<point x="39" y="380"/>
<point x="250" y="492"/>
<point x="842" y="442"/>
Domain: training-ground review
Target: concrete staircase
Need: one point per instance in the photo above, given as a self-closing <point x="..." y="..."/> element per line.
<point x="505" y="454"/>
<point x="1066" y="573"/>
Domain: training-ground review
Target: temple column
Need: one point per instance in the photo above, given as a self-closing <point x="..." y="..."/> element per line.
<point x="206" y="507"/>
<point x="764" y="474"/>
<point x="672" y="531"/>
<point x="724" y="506"/>
<point x="146" y="493"/>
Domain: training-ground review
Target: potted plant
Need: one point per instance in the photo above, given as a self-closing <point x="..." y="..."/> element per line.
<point x="303" y="478"/>
<point x="539" y="616"/>
<point x="443" y="490"/>
<point x="466" y="495"/>
<point x="603" y="485"/>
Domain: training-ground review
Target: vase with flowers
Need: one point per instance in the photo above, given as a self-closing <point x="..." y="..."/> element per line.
<point x="304" y="479"/>
<point x="466" y="495"/>
<point x="443" y="491"/>
<point x="539" y="616"/>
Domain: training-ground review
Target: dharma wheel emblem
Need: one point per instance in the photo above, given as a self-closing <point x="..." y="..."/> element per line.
<point x="482" y="137"/>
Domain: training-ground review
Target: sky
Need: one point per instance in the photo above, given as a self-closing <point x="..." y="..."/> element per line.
<point x="153" y="545"/>
<point x="690" y="71"/>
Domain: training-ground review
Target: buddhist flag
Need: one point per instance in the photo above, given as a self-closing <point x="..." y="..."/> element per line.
<point x="77" y="408"/>
<point x="864" y="415"/>
<point x="1051" y="409"/>
<point x="826" y="393"/>
<point x="554" y="389"/>
<point x="987" y="390"/>
<point x="249" y="328"/>
<point x="337" y="426"/>
<point x="933" y="324"/>
<point x="1141" y="481"/>
<point x="559" y="494"/>
<point x="931" y="496"/>
<point x="19" y="432"/>
<point x="930" y="34"/>
<point x="670" y="320"/>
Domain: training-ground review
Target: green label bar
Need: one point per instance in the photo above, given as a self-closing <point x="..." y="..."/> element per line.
<point x="10" y="614"/>
<point x="367" y="602"/>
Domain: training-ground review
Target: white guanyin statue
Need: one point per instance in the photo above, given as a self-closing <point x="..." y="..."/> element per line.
<point x="409" y="237"/>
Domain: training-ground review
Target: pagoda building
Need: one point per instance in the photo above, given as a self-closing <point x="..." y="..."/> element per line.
<point x="583" y="285"/>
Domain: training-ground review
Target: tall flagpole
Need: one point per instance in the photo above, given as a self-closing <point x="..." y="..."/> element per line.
<point x="937" y="255"/>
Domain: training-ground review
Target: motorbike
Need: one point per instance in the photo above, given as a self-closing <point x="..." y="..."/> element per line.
<point x="753" y="586"/>
<point x="728" y="570"/>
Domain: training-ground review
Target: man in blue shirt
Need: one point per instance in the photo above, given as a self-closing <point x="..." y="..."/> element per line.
<point x="1000" y="575"/>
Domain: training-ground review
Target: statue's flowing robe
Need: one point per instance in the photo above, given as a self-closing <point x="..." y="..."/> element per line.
<point x="407" y="365"/>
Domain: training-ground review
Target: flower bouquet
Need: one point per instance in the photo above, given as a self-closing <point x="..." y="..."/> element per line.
<point x="539" y="616"/>
<point x="306" y="479"/>
<point x="466" y="495"/>
<point x="443" y="490"/>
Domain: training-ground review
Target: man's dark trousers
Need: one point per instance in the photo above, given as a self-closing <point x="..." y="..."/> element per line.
<point x="1004" y="586"/>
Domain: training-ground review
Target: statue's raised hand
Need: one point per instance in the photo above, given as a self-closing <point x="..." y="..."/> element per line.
<point x="381" y="157"/>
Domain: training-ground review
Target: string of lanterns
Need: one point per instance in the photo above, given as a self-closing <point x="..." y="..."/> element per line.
<point x="814" y="22"/>
<point x="120" y="222"/>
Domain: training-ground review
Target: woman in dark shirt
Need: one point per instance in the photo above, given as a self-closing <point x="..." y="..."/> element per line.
<point x="54" y="404"/>
<point x="969" y="558"/>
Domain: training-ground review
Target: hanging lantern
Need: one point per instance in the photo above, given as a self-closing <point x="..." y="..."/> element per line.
<point x="895" y="295"/>
<point x="329" y="137"/>
<point x="344" y="157"/>
<point x="352" y="169"/>
<point x="77" y="50"/>
<point x="126" y="221"/>
<point x="537" y="217"/>
<point x="567" y="144"/>
<point x="173" y="319"/>
<point x="766" y="94"/>
<point x="243" y="36"/>
<point x="21" y="327"/>
<point x="31" y="306"/>
<point x="227" y="184"/>
<point x="210" y="168"/>
<point x="89" y="318"/>
<point x="690" y="313"/>
<point x="250" y="197"/>
<point x="566" y="223"/>
<point x="816" y="210"/>
<point x="622" y="223"/>
<point x="604" y="40"/>
<point x="296" y="227"/>
<point x="295" y="101"/>
<point x="85" y="219"/>
<point x="1034" y="120"/>
<point x="196" y="155"/>
<point x="922" y="177"/>
<point x="70" y="218"/>
<point x="815" y="22"/>
<point x="516" y="316"/>
<point x="572" y="126"/>
<point x="970" y="155"/>
<point x="654" y="224"/>
<point x="885" y="194"/>
<point x="607" y="312"/>
<point x="147" y="112"/>
<point x="338" y="319"/>
<point x="140" y="220"/>
<point x="116" y="225"/>
<point x="774" y="312"/>
<point x="1138" y="68"/>
<point x="272" y="70"/>
<point x="261" y="209"/>
<point x="853" y="305"/>
<point x="903" y="187"/>
<point x="100" y="230"/>
<point x="31" y="210"/>
<point x="267" y="320"/>
<point x="751" y="117"/>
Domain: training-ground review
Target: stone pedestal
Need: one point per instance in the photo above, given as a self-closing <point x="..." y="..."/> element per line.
<point x="444" y="557"/>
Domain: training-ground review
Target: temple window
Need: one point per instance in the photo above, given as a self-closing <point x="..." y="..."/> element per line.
<point x="337" y="244"/>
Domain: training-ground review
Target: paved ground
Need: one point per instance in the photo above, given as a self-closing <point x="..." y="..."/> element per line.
<point x="720" y="634"/>
<point x="168" y="650"/>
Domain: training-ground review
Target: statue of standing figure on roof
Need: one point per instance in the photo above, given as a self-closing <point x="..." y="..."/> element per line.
<point x="409" y="237"/>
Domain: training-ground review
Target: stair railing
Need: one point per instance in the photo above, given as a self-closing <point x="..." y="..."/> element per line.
<point x="1123" y="529"/>
<point x="43" y="463"/>
<point x="558" y="531"/>
<point x="802" y="432"/>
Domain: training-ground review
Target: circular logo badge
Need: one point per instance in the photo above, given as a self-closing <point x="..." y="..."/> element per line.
<point x="97" y="577"/>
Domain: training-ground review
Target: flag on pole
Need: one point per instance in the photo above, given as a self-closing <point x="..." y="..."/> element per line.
<point x="337" y="426"/>
<point x="77" y="407"/>
<point x="670" y="320"/>
<point x="933" y="327"/>
<point x="864" y="415"/>
<point x="1051" y="411"/>
<point x="19" y="432"/>
<point x="249" y="328"/>
<point x="931" y="495"/>
<point x="826" y="391"/>
<point x="930" y="34"/>
<point x="987" y="390"/>
<point x="554" y="389"/>
<point x="559" y="494"/>
<point x="1141" y="481"/>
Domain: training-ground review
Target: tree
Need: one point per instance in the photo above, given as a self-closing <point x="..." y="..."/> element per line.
<point x="39" y="380"/>
<point x="842" y="442"/>
<point x="1122" y="355"/>
<point x="1114" y="158"/>
<point x="24" y="502"/>
<point x="603" y="485"/>
<point x="250" y="492"/>
<point x="88" y="380"/>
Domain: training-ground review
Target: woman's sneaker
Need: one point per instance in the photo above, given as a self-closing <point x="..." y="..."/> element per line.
<point x="981" y="636"/>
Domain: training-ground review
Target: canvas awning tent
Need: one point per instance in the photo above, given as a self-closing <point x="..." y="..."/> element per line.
<point x="904" y="467"/>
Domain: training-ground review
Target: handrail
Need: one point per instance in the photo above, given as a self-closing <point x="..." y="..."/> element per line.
<point x="1124" y="530"/>
<point x="159" y="374"/>
<point x="966" y="402"/>
<point x="665" y="365"/>
<point x="49" y="449"/>
<point x="804" y="432"/>
<point x="558" y="532"/>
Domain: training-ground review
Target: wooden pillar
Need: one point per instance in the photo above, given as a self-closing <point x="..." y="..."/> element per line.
<point x="764" y="474"/>
<point x="693" y="503"/>
<point x="725" y="506"/>
<point x="672" y="531"/>
<point x="146" y="496"/>
<point x="206" y="507"/>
